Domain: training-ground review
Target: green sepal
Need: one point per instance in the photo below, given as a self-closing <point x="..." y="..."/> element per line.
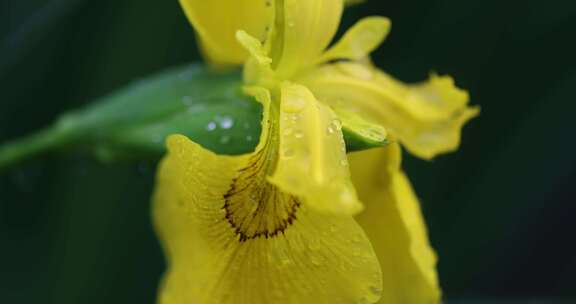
<point x="133" y="122"/>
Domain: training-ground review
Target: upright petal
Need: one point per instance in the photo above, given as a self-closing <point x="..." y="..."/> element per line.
<point x="360" y="40"/>
<point x="394" y="224"/>
<point x="312" y="162"/>
<point x="216" y="22"/>
<point x="302" y="30"/>
<point x="427" y="118"/>
<point x="231" y="237"/>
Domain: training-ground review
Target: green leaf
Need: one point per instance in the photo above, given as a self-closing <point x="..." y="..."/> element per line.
<point x="206" y="106"/>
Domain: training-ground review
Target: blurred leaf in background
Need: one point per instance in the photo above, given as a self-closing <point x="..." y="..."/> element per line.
<point x="500" y="209"/>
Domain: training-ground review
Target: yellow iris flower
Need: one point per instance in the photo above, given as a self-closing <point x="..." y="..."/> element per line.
<point x="276" y="225"/>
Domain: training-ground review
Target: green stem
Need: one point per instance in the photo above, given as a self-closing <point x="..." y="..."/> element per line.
<point x="19" y="150"/>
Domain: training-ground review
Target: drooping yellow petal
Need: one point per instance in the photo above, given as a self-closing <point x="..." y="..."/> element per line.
<point x="394" y="224"/>
<point x="302" y="30"/>
<point x="231" y="237"/>
<point x="427" y="118"/>
<point x="216" y="22"/>
<point x="360" y="40"/>
<point x="313" y="163"/>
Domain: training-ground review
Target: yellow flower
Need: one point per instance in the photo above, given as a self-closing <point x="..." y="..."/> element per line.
<point x="276" y="225"/>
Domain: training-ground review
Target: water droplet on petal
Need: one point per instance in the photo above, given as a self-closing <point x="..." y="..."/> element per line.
<point x="288" y="131"/>
<point x="346" y="197"/>
<point x="288" y="152"/>
<point x="315" y="261"/>
<point x="298" y="134"/>
<point x="337" y="124"/>
<point x="293" y="105"/>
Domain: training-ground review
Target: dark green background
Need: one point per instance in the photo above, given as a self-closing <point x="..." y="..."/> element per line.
<point x="501" y="210"/>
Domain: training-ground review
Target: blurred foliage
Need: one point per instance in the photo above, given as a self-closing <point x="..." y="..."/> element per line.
<point x="500" y="210"/>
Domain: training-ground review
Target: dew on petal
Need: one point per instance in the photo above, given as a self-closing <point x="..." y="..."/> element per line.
<point x="298" y="134"/>
<point x="288" y="131"/>
<point x="288" y="152"/>
<point x="294" y="105"/>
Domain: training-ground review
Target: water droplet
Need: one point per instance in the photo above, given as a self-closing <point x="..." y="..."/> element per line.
<point x="343" y="162"/>
<point x="211" y="126"/>
<point x="288" y="131"/>
<point x="376" y="290"/>
<point x="288" y="152"/>
<point x="298" y="134"/>
<point x="225" y="139"/>
<point x="249" y="138"/>
<point x="337" y="124"/>
<point x="186" y="75"/>
<point x="293" y="105"/>
<point x="346" y="197"/>
<point x="376" y="133"/>
<point x="315" y="261"/>
<point x="226" y="122"/>
<point x="330" y="130"/>
<point x="187" y="101"/>
<point x="246" y="125"/>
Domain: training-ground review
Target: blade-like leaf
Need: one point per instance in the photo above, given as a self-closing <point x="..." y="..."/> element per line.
<point x="206" y="106"/>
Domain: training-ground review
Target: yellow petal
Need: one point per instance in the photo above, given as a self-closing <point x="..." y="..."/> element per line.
<point x="216" y="22"/>
<point x="302" y="30"/>
<point x="312" y="162"/>
<point x="355" y="123"/>
<point x="257" y="69"/>
<point x="231" y="237"/>
<point x="254" y="47"/>
<point x="360" y="40"/>
<point x="427" y="118"/>
<point x="394" y="224"/>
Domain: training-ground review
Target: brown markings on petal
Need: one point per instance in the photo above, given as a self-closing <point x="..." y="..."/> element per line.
<point x="255" y="208"/>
